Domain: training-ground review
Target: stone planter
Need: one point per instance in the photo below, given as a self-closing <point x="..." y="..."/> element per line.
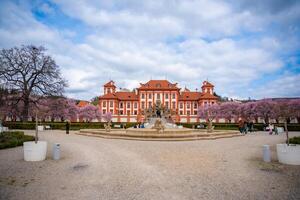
<point x="288" y="154"/>
<point x="35" y="151"/>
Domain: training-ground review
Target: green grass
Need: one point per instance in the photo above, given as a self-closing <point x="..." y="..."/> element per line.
<point x="13" y="139"/>
<point x="294" y="140"/>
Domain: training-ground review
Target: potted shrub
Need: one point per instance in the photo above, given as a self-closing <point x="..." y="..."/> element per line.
<point x="289" y="152"/>
<point x="35" y="150"/>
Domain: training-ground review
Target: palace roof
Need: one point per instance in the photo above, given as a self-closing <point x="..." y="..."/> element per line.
<point x="82" y="103"/>
<point x="110" y="84"/>
<point x="129" y="96"/>
<point x="207" y="84"/>
<point x="190" y="96"/>
<point x="208" y="96"/>
<point x="158" y="85"/>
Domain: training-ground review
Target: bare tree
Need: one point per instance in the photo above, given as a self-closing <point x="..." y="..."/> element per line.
<point x="32" y="73"/>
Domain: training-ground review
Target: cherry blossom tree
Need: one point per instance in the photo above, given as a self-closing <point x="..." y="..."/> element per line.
<point x="264" y="109"/>
<point x="107" y="117"/>
<point x="209" y="112"/>
<point x="57" y="108"/>
<point x="229" y="110"/>
<point x="295" y="104"/>
<point x="90" y="112"/>
<point x="284" y="110"/>
<point x="247" y="111"/>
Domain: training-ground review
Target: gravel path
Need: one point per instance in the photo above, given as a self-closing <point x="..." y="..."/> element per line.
<point x="96" y="168"/>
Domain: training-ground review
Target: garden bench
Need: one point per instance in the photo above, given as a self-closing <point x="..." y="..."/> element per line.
<point x="117" y="126"/>
<point x="47" y="127"/>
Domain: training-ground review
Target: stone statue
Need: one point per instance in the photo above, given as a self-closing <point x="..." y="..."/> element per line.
<point x="158" y="126"/>
<point x="107" y="126"/>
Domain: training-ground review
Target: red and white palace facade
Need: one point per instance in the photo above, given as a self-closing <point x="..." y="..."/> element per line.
<point x="132" y="106"/>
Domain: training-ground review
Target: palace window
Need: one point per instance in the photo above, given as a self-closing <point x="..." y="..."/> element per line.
<point x="135" y="112"/>
<point x="173" y="96"/>
<point x="173" y="105"/>
<point x="143" y="105"/>
<point x="104" y="111"/>
<point x="104" y="103"/>
<point x="181" y="105"/>
<point x="158" y="96"/>
<point x="212" y="103"/>
<point x="128" y="112"/>
<point x="195" y="112"/>
<point x="128" y="105"/>
<point x="188" y="112"/>
<point x="188" y="106"/>
<point x="121" y="112"/>
<point x="111" y="111"/>
<point x="111" y="104"/>
<point x="135" y="105"/>
<point x="143" y="96"/>
<point x="167" y="96"/>
<point x="181" y="112"/>
<point x="150" y="96"/>
<point x="150" y="104"/>
<point x="167" y="104"/>
<point x="121" y="105"/>
<point x="195" y="105"/>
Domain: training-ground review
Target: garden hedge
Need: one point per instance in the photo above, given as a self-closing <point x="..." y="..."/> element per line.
<point x="62" y="125"/>
<point x="13" y="138"/>
<point x="234" y="126"/>
<point x="97" y="125"/>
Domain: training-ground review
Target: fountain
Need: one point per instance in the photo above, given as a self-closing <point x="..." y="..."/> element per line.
<point x="158" y="127"/>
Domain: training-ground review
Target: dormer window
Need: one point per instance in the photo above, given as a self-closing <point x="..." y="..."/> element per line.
<point x="158" y="85"/>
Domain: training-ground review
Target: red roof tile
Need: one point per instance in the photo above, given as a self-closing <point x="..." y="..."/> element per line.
<point x="110" y="84"/>
<point x="108" y="96"/>
<point x="82" y="103"/>
<point x="158" y="85"/>
<point x="208" y="96"/>
<point x="191" y="96"/>
<point x="129" y="96"/>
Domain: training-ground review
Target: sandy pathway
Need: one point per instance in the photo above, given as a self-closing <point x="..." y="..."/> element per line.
<point x="95" y="168"/>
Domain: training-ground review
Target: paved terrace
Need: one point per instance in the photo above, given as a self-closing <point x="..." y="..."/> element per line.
<point x="97" y="168"/>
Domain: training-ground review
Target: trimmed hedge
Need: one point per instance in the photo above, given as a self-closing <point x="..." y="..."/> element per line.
<point x="11" y="139"/>
<point x="294" y="140"/>
<point x="234" y="126"/>
<point x="97" y="125"/>
<point x="61" y="125"/>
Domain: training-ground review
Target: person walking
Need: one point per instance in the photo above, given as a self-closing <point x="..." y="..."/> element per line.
<point x="241" y="126"/>
<point x="271" y="127"/>
<point x="245" y="127"/>
<point x="67" y="127"/>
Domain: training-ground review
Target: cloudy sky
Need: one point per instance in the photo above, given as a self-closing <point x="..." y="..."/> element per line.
<point x="249" y="48"/>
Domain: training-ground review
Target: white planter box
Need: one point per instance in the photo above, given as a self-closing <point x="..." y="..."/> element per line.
<point x="35" y="151"/>
<point x="288" y="154"/>
<point x="40" y="128"/>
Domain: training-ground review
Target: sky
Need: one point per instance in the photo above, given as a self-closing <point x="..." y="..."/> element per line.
<point x="246" y="48"/>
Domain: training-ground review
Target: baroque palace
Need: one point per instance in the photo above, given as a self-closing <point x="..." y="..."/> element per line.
<point x="156" y="98"/>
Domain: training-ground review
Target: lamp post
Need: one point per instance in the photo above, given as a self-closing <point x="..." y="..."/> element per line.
<point x="36" y="128"/>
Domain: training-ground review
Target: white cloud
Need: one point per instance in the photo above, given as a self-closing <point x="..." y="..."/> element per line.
<point x="130" y="45"/>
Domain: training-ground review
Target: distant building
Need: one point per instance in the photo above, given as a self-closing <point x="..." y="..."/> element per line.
<point x="156" y="97"/>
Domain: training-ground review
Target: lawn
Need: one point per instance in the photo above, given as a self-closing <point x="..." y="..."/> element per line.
<point x="13" y="138"/>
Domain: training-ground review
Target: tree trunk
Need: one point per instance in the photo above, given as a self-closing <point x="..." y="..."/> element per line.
<point x="209" y="127"/>
<point x="287" y="132"/>
<point x="25" y="110"/>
